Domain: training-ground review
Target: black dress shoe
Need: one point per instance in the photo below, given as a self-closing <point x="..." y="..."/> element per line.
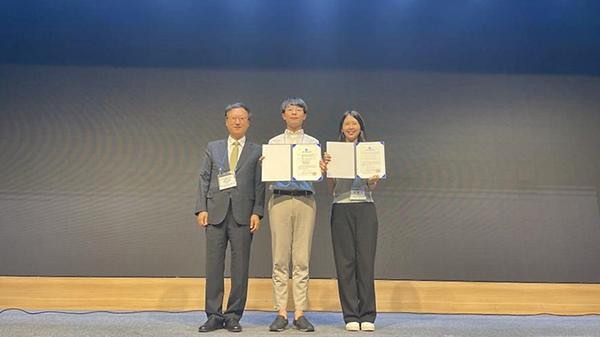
<point x="279" y="324"/>
<point x="303" y="324"/>
<point x="233" y="325"/>
<point x="213" y="323"/>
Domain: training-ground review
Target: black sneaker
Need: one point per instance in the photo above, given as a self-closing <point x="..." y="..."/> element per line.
<point x="303" y="324"/>
<point x="279" y="324"/>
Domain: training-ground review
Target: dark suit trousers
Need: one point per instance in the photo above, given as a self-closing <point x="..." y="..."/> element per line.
<point x="217" y="238"/>
<point x="354" y="237"/>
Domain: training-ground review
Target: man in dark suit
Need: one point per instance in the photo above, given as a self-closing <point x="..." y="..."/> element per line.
<point x="229" y="207"/>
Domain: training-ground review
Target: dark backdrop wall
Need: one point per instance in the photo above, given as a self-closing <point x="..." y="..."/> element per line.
<point x="490" y="113"/>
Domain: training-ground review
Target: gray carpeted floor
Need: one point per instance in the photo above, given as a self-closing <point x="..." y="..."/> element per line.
<point x="154" y="324"/>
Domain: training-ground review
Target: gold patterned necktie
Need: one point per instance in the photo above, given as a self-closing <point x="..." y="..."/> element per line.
<point x="233" y="158"/>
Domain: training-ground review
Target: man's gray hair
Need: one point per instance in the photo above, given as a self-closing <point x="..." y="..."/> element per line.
<point x="297" y="101"/>
<point x="236" y="106"/>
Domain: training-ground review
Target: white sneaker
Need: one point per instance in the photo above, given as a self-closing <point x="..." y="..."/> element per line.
<point x="352" y="326"/>
<point x="367" y="326"/>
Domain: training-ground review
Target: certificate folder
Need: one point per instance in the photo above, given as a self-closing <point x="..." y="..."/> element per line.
<point x="277" y="162"/>
<point x="291" y="162"/>
<point x="349" y="160"/>
<point x="342" y="164"/>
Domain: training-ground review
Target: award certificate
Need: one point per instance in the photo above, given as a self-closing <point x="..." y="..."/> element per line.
<point x="305" y="161"/>
<point x="370" y="160"/>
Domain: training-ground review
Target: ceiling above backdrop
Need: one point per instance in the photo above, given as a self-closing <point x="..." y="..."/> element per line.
<point x="495" y="36"/>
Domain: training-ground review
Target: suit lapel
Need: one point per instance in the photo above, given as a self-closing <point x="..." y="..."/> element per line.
<point x="244" y="155"/>
<point x="223" y="154"/>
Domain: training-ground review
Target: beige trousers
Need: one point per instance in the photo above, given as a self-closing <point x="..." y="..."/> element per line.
<point x="292" y="221"/>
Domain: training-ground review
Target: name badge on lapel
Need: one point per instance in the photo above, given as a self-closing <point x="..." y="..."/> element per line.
<point x="227" y="180"/>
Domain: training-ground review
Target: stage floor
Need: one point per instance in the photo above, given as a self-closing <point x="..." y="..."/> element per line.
<point x="14" y="323"/>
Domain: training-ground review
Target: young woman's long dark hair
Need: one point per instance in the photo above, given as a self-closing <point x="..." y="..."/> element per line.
<point x="362" y="137"/>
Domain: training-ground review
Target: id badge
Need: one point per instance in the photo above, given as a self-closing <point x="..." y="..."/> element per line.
<point x="226" y="180"/>
<point x="358" y="195"/>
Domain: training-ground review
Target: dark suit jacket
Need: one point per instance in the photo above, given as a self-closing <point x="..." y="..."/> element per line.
<point x="247" y="198"/>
